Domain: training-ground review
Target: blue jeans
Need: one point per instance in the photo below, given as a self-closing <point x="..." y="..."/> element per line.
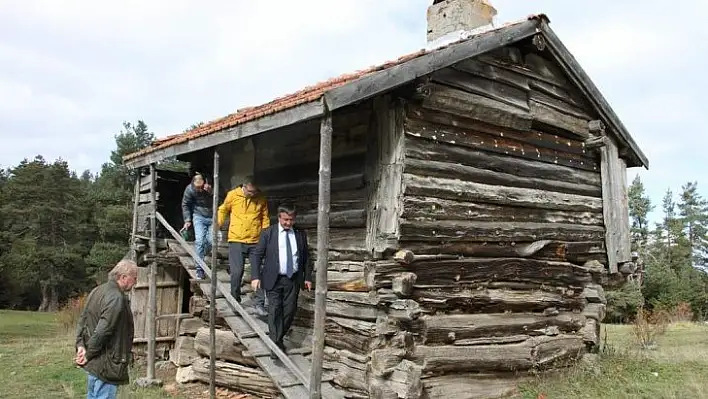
<point x="202" y="234"/>
<point x="98" y="389"/>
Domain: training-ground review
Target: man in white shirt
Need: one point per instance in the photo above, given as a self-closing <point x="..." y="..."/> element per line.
<point x="284" y="254"/>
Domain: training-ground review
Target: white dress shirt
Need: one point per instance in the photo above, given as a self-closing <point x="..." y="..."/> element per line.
<point x="282" y="250"/>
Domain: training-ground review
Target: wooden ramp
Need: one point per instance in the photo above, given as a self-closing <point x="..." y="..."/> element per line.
<point x="290" y="372"/>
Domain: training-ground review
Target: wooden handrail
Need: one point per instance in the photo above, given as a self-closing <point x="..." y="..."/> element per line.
<point x="294" y="369"/>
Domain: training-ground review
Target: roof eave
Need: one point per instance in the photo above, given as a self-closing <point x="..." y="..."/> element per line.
<point x="353" y="92"/>
<point x="583" y="81"/>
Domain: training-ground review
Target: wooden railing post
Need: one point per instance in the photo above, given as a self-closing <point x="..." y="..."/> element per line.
<point x="322" y="254"/>
<point x="214" y="277"/>
<point x="151" y="323"/>
<point x="134" y="229"/>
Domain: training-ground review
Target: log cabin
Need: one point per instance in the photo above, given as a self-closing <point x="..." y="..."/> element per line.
<point x="476" y="207"/>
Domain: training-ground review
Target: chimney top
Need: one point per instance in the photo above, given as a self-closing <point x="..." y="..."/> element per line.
<point x="452" y="20"/>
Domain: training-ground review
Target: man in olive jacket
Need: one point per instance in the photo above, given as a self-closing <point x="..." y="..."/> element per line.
<point x="104" y="336"/>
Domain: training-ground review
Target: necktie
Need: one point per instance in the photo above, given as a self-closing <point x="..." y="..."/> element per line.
<point x="288" y="255"/>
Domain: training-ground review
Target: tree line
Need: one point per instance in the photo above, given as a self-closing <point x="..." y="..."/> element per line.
<point x="61" y="232"/>
<point x="674" y="251"/>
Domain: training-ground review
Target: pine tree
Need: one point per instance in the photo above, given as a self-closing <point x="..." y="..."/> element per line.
<point x="43" y="207"/>
<point x="639" y="207"/>
<point x="693" y="210"/>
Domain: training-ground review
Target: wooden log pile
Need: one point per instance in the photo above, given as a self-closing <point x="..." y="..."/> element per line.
<point x="235" y="369"/>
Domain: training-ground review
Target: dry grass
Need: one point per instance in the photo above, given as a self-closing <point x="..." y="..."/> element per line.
<point x="36" y="360"/>
<point x="68" y="315"/>
<point x="675" y="368"/>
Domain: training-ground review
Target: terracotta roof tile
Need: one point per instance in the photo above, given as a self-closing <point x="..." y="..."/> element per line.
<point x="308" y="94"/>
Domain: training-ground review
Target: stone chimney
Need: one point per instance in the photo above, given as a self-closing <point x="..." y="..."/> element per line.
<point x="452" y="20"/>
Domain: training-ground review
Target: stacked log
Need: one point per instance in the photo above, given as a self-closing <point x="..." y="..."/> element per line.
<point x="501" y="230"/>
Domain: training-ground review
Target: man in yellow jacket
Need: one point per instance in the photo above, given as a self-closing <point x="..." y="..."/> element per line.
<point x="248" y="216"/>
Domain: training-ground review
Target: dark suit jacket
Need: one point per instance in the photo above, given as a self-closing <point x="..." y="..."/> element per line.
<point x="266" y="254"/>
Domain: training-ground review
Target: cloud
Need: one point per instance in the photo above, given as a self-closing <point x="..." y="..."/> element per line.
<point x="72" y="71"/>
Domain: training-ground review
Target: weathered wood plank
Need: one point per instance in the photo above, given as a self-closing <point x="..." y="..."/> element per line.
<point x="469" y="173"/>
<point x="345" y="218"/>
<point x="353" y="305"/>
<point x="536" y="352"/>
<point x="535" y="145"/>
<point x="469" y="271"/>
<point x="228" y="347"/>
<point x="496" y="300"/>
<point x="308" y="187"/>
<point x="488" y="88"/>
<point x="446" y="99"/>
<point x="570" y="97"/>
<point x="340" y="201"/>
<point x="421" y="148"/>
<point x="448" y="328"/>
<point x="492" y="72"/>
<point x="485" y="193"/>
<point x="576" y="252"/>
<point x="550" y="116"/>
<point x="624" y="250"/>
<point x="292" y="171"/>
<point x="430" y="208"/>
<point x="609" y="173"/>
<point x="471" y="386"/>
<point x="342" y="239"/>
<point x="520" y="68"/>
<point x="384" y="172"/>
<point x="450" y="230"/>
<point x="237" y="377"/>
<point x="559" y="105"/>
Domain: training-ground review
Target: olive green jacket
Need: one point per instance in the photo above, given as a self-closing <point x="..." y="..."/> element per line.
<point x="106" y="331"/>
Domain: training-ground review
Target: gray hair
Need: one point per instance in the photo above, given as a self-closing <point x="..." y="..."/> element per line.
<point x="123" y="268"/>
<point x="248" y="180"/>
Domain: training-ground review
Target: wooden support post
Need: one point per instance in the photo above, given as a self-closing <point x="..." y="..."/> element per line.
<point x="134" y="229"/>
<point x="214" y="262"/>
<point x="151" y="324"/>
<point x="322" y="254"/>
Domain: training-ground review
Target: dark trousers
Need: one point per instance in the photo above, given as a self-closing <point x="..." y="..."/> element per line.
<point x="237" y="259"/>
<point x="282" y="305"/>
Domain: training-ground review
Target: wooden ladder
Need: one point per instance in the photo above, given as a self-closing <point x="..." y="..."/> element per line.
<point x="291" y="374"/>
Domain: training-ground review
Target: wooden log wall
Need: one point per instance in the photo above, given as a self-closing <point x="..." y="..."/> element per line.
<point x="502" y="232"/>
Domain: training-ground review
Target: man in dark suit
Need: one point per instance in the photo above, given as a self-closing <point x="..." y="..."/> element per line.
<point x="284" y="254"/>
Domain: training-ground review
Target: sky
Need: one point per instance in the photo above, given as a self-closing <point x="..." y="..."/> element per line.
<point x="72" y="71"/>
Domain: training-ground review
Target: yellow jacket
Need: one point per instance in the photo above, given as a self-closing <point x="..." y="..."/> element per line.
<point x="248" y="216"/>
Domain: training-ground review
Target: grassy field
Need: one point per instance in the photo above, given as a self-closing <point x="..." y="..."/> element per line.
<point x="676" y="368"/>
<point x="36" y="362"/>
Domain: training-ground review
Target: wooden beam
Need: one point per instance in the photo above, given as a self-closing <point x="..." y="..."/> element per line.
<point x="151" y="323"/>
<point x="214" y="263"/>
<point x="608" y="173"/>
<point x="300" y="113"/>
<point x="583" y="81"/>
<point x="134" y="230"/>
<point x="380" y="82"/>
<point x="322" y="255"/>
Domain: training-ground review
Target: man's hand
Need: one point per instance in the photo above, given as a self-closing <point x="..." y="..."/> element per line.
<point x="186" y="226"/>
<point x="207" y="187"/>
<point x="308" y="285"/>
<point x="255" y="284"/>
<point x="80" y="358"/>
